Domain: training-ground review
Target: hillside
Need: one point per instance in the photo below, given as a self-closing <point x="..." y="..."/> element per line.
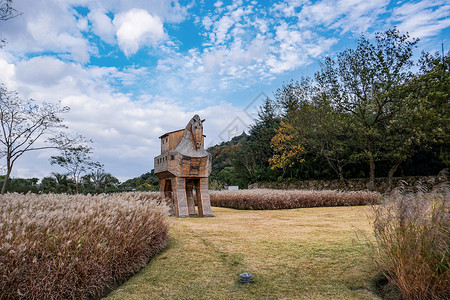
<point x="222" y="162"/>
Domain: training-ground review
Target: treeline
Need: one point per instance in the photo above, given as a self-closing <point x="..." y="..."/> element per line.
<point x="97" y="181"/>
<point x="368" y="112"/>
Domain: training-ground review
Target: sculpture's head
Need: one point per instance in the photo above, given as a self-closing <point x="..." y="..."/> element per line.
<point x="197" y="131"/>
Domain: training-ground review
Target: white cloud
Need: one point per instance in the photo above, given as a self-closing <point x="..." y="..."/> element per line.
<point x="345" y="15"/>
<point x="8" y="70"/>
<point x="136" y="28"/>
<point x="47" y="26"/>
<point x="125" y="131"/>
<point x="207" y="22"/>
<point x="422" y="19"/>
<point x="102" y="26"/>
<point x="55" y="26"/>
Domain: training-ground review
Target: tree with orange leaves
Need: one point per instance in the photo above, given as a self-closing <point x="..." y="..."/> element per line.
<point x="287" y="150"/>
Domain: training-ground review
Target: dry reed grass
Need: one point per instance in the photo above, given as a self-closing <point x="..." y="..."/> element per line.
<point x="76" y="246"/>
<point x="412" y="232"/>
<point x="283" y="199"/>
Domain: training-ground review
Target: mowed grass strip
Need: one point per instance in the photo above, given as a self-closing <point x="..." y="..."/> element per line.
<point x="308" y="253"/>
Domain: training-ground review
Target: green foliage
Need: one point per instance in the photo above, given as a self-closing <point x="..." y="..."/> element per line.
<point x="422" y="119"/>
<point x="223" y="171"/>
<point x="146" y="182"/>
<point x="100" y="181"/>
<point x="251" y="156"/>
<point x="363" y="109"/>
<point x="366" y="82"/>
<point x="312" y="122"/>
<point x="21" y="185"/>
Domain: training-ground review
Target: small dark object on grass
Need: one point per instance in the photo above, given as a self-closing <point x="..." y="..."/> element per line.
<point x="246" y="277"/>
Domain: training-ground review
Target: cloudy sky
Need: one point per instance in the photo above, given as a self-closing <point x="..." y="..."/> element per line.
<point x="131" y="70"/>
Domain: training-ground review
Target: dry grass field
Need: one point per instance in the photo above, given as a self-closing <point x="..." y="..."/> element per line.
<point x="307" y="253"/>
<point x="76" y="246"/>
<point x="287" y="199"/>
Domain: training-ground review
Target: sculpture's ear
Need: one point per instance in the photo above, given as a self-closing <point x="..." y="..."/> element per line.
<point x="203" y="120"/>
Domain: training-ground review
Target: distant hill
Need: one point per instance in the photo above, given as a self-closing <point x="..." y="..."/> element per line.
<point x="146" y="182"/>
<point x="222" y="156"/>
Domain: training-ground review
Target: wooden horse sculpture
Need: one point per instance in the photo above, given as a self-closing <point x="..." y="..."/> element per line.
<point x="183" y="165"/>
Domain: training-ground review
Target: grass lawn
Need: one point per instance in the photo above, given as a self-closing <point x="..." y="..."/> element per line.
<point x="307" y="253"/>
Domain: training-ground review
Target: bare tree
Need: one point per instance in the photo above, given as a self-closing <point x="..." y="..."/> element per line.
<point x="23" y="123"/>
<point x="76" y="159"/>
<point x="6" y="12"/>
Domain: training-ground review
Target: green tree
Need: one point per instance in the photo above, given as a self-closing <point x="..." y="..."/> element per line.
<point x="57" y="183"/>
<point x="99" y="180"/>
<point x="251" y="158"/>
<point x="23" y="124"/>
<point x="21" y="185"/>
<point x="366" y="82"/>
<point x="423" y="118"/>
<point x="147" y="181"/>
<point x="311" y="125"/>
<point x="222" y="158"/>
<point x="48" y="185"/>
<point x="76" y="159"/>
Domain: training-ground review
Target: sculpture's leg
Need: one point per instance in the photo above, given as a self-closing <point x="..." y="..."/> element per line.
<point x="190" y="196"/>
<point x="179" y="195"/>
<point x="162" y="188"/>
<point x="203" y="202"/>
<point x="168" y="189"/>
<point x="165" y="186"/>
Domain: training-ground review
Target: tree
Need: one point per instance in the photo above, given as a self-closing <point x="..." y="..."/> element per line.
<point x="365" y="82"/>
<point x="223" y="171"/>
<point x="329" y="133"/>
<point x="23" y="124"/>
<point x="76" y="159"/>
<point x="57" y="183"/>
<point x="251" y="157"/>
<point x="99" y="180"/>
<point x="423" y="118"/>
<point x="48" y="185"/>
<point x="21" y="185"/>
<point x="313" y="126"/>
<point x="147" y="181"/>
<point x="286" y="147"/>
<point x="6" y="12"/>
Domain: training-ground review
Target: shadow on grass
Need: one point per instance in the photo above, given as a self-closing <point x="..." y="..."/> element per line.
<point x="385" y="289"/>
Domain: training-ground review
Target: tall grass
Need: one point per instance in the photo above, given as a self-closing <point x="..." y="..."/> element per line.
<point x="283" y="199"/>
<point x="76" y="247"/>
<point x="412" y="232"/>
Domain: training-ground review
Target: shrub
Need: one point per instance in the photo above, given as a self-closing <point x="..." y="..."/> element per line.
<point x="76" y="247"/>
<point x="283" y="199"/>
<point x="413" y="237"/>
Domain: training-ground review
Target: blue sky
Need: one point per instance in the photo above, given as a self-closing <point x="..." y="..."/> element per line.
<point x="133" y="70"/>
